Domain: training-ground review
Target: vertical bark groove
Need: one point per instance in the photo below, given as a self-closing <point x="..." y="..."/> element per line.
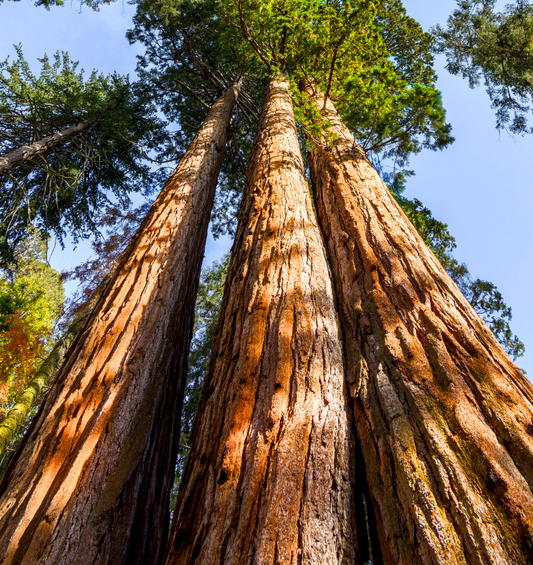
<point x="90" y="483"/>
<point x="270" y="477"/>
<point x="441" y="412"/>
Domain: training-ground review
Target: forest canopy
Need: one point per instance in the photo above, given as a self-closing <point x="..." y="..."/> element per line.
<point x="306" y="398"/>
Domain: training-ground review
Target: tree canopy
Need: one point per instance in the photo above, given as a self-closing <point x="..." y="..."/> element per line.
<point x="483" y="44"/>
<point x="190" y="58"/>
<point x="369" y="57"/>
<point x="60" y="189"/>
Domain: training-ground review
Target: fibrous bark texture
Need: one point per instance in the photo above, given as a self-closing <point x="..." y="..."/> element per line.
<point x="90" y="482"/>
<point x="27" y="152"/>
<point x="270" y="477"/>
<point x="444" y="418"/>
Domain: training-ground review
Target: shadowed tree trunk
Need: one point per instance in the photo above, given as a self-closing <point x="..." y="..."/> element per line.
<point x="444" y="418"/>
<point x="27" y="152"/>
<point x="91" y="480"/>
<point x="270" y="477"/>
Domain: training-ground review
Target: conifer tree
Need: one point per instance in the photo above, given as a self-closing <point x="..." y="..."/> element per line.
<point x="482" y="44"/>
<point x="275" y="472"/>
<point x="190" y="57"/>
<point x="67" y="143"/>
<point x="407" y="321"/>
<point x="270" y="476"/>
<point x="443" y="415"/>
<point x="91" y="480"/>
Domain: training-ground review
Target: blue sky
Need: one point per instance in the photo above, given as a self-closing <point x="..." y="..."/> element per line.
<point x="480" y="186"/>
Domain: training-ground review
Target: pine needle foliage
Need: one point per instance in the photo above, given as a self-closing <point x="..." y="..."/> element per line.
<point x="482" y="44"/>
<point x="59" y="190"/>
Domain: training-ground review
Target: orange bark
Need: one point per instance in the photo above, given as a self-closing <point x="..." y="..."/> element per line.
<point x="90" y="483"/>
<point x="444" y="417"/>
<point x="270" y="477"/>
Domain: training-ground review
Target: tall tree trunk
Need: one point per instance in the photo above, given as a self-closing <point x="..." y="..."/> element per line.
<point x="27" y="152"/>
<point x="270" y="478"/>
<point x="444" y="417"/>
<point x="91" y="480"/>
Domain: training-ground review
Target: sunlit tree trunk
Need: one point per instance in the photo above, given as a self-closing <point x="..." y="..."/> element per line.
<point x="444" y="418"/>
<point x="90" y="482"/>
<point x="27" y="152"/>
<point x="270" y="477"/>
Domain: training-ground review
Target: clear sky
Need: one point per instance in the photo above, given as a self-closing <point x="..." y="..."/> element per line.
<point x="480" y="186"/>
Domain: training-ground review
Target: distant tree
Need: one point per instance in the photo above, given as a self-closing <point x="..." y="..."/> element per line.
<point x="31" y="298"/>
<point x="482" y="44"/>
<point x="206" y="314"/>
<point x="66" y="144"/>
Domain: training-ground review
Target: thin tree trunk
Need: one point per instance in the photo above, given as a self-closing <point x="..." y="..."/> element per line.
<point x="269" y="479"/>
<point x="27" y="152"/>
<point x="91" y="480"/>
<point x="444" y="417"/>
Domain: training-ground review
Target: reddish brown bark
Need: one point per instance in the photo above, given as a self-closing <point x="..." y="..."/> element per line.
<point x="444" y="417"/>
<point x="270" y="477"/>
<point x="91" y="481"/>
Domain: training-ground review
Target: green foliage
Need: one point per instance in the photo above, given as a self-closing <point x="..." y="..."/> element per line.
<point x="31" y="286"/>
<point x="191" y="58"/>
<point x="60" y="191"/>
<point x="31" y="298"/>
<point x="369" y="57"/>
<point x="485" y="298"/>
<point x="208" y="303"/>
<point x="496" y="47"/>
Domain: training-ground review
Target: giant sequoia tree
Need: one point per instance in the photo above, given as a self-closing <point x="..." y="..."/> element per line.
<point x="270" y="477"/>
<point x="406" y="399"/>
<point x="441" y="412"/>
<point x="443" y="415"/>
<point x="91" y="480"/>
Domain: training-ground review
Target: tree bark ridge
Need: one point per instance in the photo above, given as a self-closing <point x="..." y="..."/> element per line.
<point x="444" y="417"/>
<point x="91" y="480"/>
<point x="270" y="477"/>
